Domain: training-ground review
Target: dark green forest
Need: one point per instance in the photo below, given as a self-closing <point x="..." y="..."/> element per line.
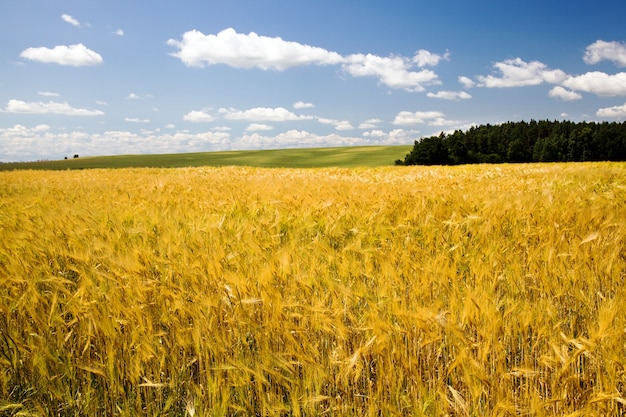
<point x="534" y="141"/>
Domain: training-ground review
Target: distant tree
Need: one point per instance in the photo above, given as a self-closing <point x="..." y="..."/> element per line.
<point x="538" y="141"/>
<point x="428" y="151"/>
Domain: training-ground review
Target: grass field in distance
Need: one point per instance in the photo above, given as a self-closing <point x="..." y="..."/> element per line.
<point x="403" y="291"/>
<point x="357" y="156"/>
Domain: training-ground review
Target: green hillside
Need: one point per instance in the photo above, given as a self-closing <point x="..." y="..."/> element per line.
<point x="360" y="156"/>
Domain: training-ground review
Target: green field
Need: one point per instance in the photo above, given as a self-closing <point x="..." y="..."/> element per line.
<point x="358" y="156"/>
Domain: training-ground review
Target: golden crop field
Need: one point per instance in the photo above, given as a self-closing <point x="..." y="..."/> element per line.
<point x="397" y="291"/>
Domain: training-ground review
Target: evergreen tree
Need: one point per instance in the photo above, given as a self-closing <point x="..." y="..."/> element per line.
<point x="536" y="141"/>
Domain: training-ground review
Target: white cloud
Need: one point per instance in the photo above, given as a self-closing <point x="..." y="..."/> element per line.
<point x="401" y="136"/>
<point x="255" y="127"/>
<point x="293" y="139"/>
<point x="75" y="55"/>
<point x="102" y="103"/>
<point x="24" y="143"/>
<point x="376" y="133"/>
<point x="425" y="58"/>
<point x="518" y="73"/>
<point x="198" y="116"/>
<point x="48" y="94"/>
<point x="615" y="111"/>
<point x="119" y="32"/>
<point x="564" y="94"/>
<point x="170" y="126"/>
<point x="344" y="125"/>
<point x="51" y="107"/>
<point x="598" y="83"/>
<point x="278" y="114"/>
<point x="40" y="142"/>
<point x="450" y="95"/>
<point x="69" y="19"/>
<point x="430" y="118"/>
<point x="254" y="51"/>
<point x="327" y="121"/>
<point x="466" y="81"/>
<point x="370" y="124"/>
<point x="339" y="124"/>
<point x="136" y="120"/>
<point x="299" y="138"/>
<point x="609" y="51"/>
<point x="394" y="71"/>
<point x="303" y="105"/>
<point x="418" y="117"/>
<point x="248" y="51"/>
<point x="133" y="96"/>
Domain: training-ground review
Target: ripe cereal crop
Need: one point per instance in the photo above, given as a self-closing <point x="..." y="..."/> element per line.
<point x="397" y="291"/>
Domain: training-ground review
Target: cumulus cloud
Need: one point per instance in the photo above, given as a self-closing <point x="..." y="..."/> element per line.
<point x="19" y="143"/>
<point x="301" y="138"/>
<point x="40" y="142"/>
<point x="74" y="55"/>
<point x="426" y="58"/>
<point x="278" y="114"/>
<point x="375" y="133"/>
<point x="519" y="73"/>
<point x="295" y="139"/>
<point x="239" y="50"/>
<point x="466" y="81"/>
<point x="198" y="116"/>
<point x="343" y="125"/>
<point x="394" y="71"/>
<point x="370" y="124"/>
<point x="69" y="19"/>
<point x="51" y="107"/>
<point x="412" y="118"/>
<point x="303" y="105"/>
<point x="327" y="121"/>
<point x="599" y="83"/>
<point x="48" y="94"/>
<point x="339" y="124"/>
<point x="119" y="32"/>
<point x="400" y="136"/>
<point x="248" y="51"/>
<point x="136" y="120"/>
<point x="255" y="127"/>
<point x="609" y="51"/>
<point x="564" y="94"/>
<point x="21" y="130"/>
<point x="450" y="95"/>
<point x="430" y="118"/>
<point x="615" y="111"/>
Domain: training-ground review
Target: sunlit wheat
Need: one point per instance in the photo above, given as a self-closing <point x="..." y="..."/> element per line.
<point x="467" y="291"/>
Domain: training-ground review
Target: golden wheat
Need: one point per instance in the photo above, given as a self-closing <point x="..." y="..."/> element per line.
<point x="468" y="291"/>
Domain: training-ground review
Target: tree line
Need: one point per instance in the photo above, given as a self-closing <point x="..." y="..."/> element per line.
<point x="534" y="141"/>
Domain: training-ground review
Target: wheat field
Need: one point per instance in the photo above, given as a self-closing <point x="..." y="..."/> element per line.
<point x="398" y="291"/>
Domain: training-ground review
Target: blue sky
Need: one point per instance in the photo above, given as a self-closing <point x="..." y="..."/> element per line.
<point x="124" y="77"/>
